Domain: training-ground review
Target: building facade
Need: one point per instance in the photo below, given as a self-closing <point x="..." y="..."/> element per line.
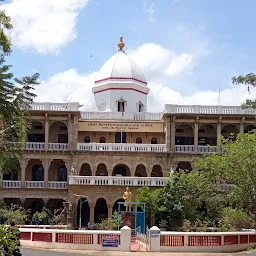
<point x="85" y="159"/>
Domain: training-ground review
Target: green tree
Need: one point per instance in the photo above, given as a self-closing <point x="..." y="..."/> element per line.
<point x="153" y="200"/>
<point x="192" y="196"/>
<point x="15" y="98"/>
<point x="236" y="165"/>
<point x="249" y="104"/>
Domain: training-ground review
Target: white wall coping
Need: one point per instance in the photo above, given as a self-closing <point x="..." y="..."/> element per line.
<point x="173" y="233"/>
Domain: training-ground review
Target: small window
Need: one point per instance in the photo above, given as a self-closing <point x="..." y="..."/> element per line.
<point x="87" y="139"/>
<point x="154" y="140"/>
<point x="120" y="106"/>
<point x="140" y="107"/>
<point x="102" y="140"/>
<point x="139" y="140"/>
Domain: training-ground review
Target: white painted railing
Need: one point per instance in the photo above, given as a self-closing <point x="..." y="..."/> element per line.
<point x="118" y="181"/>
<point x="11" y="184"/>
<point x="225" y="187"/>
<point x="46" y="106"/>
<point x="58" y="146"/>
<point x="34" y="184"/>
<point x="207" y="149"/>
<point x="184" y="148"/>
<point x="57" y="184"/>
<point x="118" y="116"/>
<point x="197" y="109"/>
<point x="35" y="145"/>
<point x="121" y="147"/>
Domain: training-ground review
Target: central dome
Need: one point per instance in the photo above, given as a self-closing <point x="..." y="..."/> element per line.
<point x="121" y="67"/>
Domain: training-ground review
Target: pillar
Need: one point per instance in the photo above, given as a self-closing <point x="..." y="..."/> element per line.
<point x="45" y="200"/>
<point x="218" y="133"/>
<point x="46" y="165"/>
<point x="91" y="205"/>
<point x="70" y="132"/>
<point x="125" y="239"/>
<point x="154" y="239"/>
<point x="22" y="201"/>
<point x="241" y="128"/>
<point x="110" y="211"/>
<point x="46" y="131"/>
<point x="70" y="215"/>
<point x="196" y="137"/>
<point x="23" y="165"/>
<point x="173" y="131"/>
<point x="168" y="134"/>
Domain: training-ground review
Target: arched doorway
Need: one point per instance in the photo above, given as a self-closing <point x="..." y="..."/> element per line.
<point x="185" y="166"/>
<point x="184" y="135"/>
<point x="100" y="210"/>
<point x="139" y="140"/>
<point x="121" y="170"/>
<point x="115" y="207"/>
<point x="58" y="171"/>
<point x="85" y="212"/>
<point x="101" y="170"/>
<point x="229" y="131"/>
<point x="140" y="171"/>
<point x="85" y="170"/>
<point x="58" y="132"/>
<point x="38" y="172"/>
<point x="154" y="140"/>
<point x="87" y="139"/>
<point x="36" y="132"/>
<point x="14" y="172"/>
<point x="249" y="128"/>
<point x="207" y="135"/>
<point x="157" y="171"/>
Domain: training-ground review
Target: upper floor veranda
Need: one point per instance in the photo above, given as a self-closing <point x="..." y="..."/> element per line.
<point x="180" y="128"/>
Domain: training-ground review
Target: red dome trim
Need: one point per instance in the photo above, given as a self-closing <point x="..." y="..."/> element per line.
<point x="120" y="78"/>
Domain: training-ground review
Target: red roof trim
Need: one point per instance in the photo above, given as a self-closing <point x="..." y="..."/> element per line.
<point x="123" y="89"/>
<point x="120" y="78"/>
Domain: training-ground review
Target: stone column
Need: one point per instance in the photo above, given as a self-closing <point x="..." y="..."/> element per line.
<point x="22" y="201"/>
<point x="23" y="165"/>
<point x="92" y="205"/>
<point x="241" y="128"/>
<point x="46" y="131"/>
<point x="70" y="132"/>
<point x="168" y="134"/>
<point x="46" y="165"/>
<point x="173" y="131"/>
<point x="126" y="239"/>
<point x="45" y="200"/>
<point x="70" y="215"/>
<point x="196" y="137"/>
<point x="218" y="133"/>
<point x="110" y="210"/>
<point x="154" y="239"/>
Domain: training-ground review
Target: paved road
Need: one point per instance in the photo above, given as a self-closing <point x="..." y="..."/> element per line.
<point x="34" y="252"/>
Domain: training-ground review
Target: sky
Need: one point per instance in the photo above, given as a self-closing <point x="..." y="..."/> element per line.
<point x="188" y="49"/>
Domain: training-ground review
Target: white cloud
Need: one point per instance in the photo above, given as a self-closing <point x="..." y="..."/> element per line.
<point x="44" y="25"/>
<point x="159" y="64"/>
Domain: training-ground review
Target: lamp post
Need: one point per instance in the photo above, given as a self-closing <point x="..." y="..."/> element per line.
<point x="80" y="208"/>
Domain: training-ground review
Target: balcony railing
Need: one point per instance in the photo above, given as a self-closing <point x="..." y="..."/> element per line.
<point x="46" y="106"/>
<point x="11" y="184"/>
<point x="191" y="149"/>
<point x="118" y="116"/>
<point x="121" y="147"/>
<point x="118" y="181"/>
<point x="211" y="110"/>
<point x="57" y="184"/>
<point x="34" y="184"/>
<point x="41" y="146"/>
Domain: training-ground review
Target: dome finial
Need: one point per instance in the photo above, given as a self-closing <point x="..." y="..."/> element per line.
<point x="121" y="43"/>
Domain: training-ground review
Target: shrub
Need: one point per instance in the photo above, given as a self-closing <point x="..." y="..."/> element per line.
<point x="8" y="241"/>
<point x="235" y="219"/>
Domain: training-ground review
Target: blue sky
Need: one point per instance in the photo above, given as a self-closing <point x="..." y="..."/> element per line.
<point x="210" y="40"/>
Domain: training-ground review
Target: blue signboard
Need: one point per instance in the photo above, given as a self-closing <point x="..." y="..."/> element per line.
<point x="110" y="241"/>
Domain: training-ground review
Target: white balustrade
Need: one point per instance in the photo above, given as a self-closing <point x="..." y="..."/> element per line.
<point x="118" y="181"/>
<point x="46" y="106"/>
<point x="121" y="147"/>
<point x="137" y="116"/>
<point x="184" y="148"/>
<point x="35" y="145"/>
<point x="57" y="184"/>
<point x="58" y="146"/>
<point x="207" y="149"/>
<point x="197" y="109"/>
<point x="11" y="184"/>
<point x="34" y="184"/>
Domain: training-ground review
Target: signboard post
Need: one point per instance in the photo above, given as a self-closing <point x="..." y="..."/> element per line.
<point x="109" y="241"/>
